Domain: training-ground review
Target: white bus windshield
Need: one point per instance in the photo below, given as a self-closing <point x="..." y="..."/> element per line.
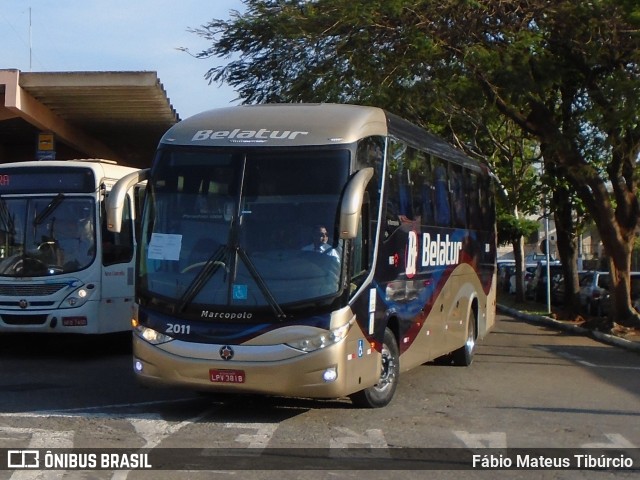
<point x="234" y="229"/>
<point x="46" y="235"/>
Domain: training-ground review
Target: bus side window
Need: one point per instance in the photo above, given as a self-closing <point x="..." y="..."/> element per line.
<point x="487" y="203"/>
<point x="441" y="191"/>
<point x="424" y="189"/>
<point x="458" y="196"/>
<point x="476" y="216"/>
<point x="399" y="196"/>
<point x="117" y="247"/>
<point x="371" y="154"/>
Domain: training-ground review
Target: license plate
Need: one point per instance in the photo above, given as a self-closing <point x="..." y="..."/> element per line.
<point x="226" y="376"/>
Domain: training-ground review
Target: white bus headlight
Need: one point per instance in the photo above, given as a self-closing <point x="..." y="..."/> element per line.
<point x="78" y="297"/>
<point x="321" y="340"/>
<point x="152" y="336"/>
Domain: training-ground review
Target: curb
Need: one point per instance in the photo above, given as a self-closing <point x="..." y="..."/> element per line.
<point x="575" y="329"/>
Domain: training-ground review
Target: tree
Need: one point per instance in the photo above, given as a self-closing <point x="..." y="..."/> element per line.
<point x="565" y="72"/>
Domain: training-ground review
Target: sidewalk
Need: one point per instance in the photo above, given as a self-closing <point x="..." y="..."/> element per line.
<point x="629" y="342"/>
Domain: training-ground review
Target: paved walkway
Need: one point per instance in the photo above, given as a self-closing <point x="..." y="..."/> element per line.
<point x="630" y="342"/>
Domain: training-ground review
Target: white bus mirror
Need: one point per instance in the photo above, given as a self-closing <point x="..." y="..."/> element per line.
<point x="352" y="203"/>
<point x="117" y="195"/>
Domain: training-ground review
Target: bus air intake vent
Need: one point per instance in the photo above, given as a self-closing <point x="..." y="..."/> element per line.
<point x="24" y="319"/>
<point x="30" y="290"/>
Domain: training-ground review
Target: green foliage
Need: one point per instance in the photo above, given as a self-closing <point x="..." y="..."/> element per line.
<point x="510" y="228"/>
<point x="508" y="81"/>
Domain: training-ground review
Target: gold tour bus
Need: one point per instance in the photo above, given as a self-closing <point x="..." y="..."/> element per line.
<point x="309" y="251"/>
<point x="61" y="270"/>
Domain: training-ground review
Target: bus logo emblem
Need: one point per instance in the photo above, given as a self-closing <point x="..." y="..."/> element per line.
<point x="226" y="352"/>
<point x="23" y="303"/>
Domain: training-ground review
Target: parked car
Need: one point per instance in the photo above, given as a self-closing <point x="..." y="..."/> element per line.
<point x="528" y="275"/>
<point x="537" y="287"/>
<point x="533" y="258"/>
<point x="506" y="269"/>
<point x="605" y="302"/>
<point x="594" y="288"/>
<point x="558" y="287"/>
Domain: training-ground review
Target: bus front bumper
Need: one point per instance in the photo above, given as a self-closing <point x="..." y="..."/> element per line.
<point x="332" y="372"/>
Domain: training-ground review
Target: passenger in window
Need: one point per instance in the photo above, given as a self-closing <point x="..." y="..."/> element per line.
<point x="320" y="243"/>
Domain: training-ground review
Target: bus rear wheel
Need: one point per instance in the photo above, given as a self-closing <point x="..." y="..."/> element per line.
<point x="382" y="392"/>
<point x="463" y="356"/>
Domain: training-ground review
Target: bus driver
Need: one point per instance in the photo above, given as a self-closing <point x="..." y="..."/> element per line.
<point x="321" y="243"/>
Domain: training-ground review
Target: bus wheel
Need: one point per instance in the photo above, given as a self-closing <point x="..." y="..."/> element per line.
<point x="381" y="393"/>
<point x="463" y="356"/>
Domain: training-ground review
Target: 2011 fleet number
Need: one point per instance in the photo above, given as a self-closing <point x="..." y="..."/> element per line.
<point x="178" y="328"/>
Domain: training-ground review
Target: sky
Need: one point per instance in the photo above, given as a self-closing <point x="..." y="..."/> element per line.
<point x="119" y="35"/>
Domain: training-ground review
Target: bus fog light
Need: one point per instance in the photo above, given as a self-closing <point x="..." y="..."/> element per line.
<point x="137" y="365"/>
<point x="330" y="375"/>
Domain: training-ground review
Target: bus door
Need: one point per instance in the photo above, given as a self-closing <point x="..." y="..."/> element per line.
<point x="118" y="271"/>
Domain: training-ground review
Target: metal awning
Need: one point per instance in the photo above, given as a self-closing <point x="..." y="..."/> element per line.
<point x="115" y="115"/>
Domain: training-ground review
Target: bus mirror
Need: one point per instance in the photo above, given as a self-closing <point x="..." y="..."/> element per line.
<point x="352" y="203"/>
<point x="117" y="195"/>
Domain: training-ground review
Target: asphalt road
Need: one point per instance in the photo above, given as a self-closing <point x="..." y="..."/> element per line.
<point x="530" y="387"/>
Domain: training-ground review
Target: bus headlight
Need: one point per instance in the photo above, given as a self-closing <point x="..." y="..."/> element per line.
<point x="322" y="340"/>
<point x="78" y="297"/>
<point x="152" y="336"/>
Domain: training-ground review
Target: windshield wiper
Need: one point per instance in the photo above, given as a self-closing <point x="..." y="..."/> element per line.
<point x="210" y="267"/>
<point x="49" y="209"/>
<point x="262" y="285"/>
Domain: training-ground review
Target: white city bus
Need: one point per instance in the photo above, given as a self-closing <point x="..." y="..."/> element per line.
<point x="61" y="270"/>
<point x="232" y="297"/>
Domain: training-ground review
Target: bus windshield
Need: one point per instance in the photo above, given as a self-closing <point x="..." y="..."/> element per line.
<point x="231" y="229"/>
<point x="46" y="235"/>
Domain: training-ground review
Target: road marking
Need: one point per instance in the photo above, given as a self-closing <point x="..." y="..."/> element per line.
<point x="154" y="430"/>
<point x="40" y="439"/>
<point x="615" y="441"/>
<point x="373" y="438"/>
<point x="482" y="440"/>
<point x="260" y="439"/>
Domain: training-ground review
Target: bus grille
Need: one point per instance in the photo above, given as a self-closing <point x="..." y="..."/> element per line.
<point x="24" y="319"/>
<point x="30" y="290"/>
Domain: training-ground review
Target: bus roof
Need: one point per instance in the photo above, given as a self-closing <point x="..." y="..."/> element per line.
<point x="301" y="124"/>
<point x="102" y="168"/>
<point x="278" y="125"/>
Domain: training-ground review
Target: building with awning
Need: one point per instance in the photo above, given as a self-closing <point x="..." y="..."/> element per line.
<point x="119" y="116"/>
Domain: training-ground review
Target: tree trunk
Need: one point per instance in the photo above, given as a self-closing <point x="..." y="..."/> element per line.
<point x="621" y="310"/>
<point x="614" y="212"/>
<point x="567" y="247"/>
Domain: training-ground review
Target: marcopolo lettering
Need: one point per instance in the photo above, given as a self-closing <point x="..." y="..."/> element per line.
<point x="438" y="252"/>
<point x="262" y="134"/>
<point x="226" y="315"/>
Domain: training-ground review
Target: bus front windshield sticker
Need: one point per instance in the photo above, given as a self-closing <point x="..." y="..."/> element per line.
<point x="165" y="246"/>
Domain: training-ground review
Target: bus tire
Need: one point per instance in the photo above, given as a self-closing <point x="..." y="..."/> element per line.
<point x="463" y="356"/>
<point x="382" y="392"/>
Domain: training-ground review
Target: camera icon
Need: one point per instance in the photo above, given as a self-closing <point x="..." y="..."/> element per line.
<point x="23" y="459"/>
